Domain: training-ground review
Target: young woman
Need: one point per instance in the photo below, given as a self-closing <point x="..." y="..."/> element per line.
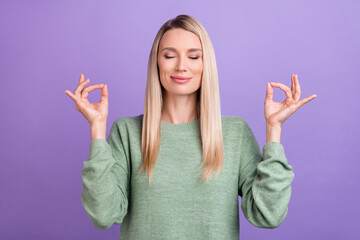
<point x="176" y="171"/>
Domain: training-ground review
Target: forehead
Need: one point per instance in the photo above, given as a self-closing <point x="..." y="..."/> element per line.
<point x="180" y="39"/>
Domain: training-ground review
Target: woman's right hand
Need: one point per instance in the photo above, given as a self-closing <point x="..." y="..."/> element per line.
<point x="93" y="112"/>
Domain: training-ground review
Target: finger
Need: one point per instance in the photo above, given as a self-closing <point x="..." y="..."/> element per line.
<point x="285" y="88"/>
<point x="80" y="88"/>
<point x="269" y="93"/>
<point x="292" y="84"/>
<point x="297" y="88"/>
<point x="104" y="94"/>
<point x="81" y="79"/>
<point x="86" y="90"/>
<point x="73" y="97"/>
<point x="305" y="100"/>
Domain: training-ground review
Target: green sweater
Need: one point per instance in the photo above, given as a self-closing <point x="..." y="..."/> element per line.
<point x="176" y="206"/>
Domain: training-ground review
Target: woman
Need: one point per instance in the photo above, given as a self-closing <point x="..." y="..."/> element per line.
<point x="180" y="141"/>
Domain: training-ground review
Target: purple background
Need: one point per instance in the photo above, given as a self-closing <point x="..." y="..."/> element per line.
<point x="45" y="45"/>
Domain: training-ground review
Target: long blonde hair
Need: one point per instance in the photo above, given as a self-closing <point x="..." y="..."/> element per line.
<point x="208" y="106"/>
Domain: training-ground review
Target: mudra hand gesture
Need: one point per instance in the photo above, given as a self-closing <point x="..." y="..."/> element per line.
<point x="93" y="112"/>
<point x="275" y="112"/>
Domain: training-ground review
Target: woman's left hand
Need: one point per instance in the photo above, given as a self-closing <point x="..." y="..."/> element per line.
<point x="275" y="112"/>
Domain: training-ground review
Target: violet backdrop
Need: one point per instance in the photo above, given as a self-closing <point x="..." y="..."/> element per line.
<point x="45" y="45"/>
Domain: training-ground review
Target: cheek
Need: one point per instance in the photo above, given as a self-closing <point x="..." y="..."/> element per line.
<point x="160" y="65"/>
<point x="197" y="71"/>
<point x="198" y="68"/>
<point x="164" y="66"/>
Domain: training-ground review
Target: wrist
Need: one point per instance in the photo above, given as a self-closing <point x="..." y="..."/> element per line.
<point x="98" y="130"/>
<point x="273" y="133"/>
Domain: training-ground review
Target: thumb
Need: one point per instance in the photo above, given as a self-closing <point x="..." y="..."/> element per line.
<point x="269" y="93"/>
<point x="104" y="94"/>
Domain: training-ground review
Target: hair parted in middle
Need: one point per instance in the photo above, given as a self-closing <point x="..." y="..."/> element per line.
<point x="208" y="105"/>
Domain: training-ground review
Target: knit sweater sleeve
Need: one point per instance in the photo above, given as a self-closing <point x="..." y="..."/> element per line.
<point x="105" y="178"/>
<point x="264" y="182"/>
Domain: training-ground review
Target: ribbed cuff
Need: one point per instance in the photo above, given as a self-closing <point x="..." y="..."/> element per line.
<point x="96" y="146"/>
<point x="274" y="150"/>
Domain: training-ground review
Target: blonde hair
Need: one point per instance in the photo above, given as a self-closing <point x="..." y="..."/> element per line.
<point x="208" y="106"/>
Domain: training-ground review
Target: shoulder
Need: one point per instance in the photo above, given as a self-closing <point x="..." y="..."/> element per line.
<point x="129" y="119"/>
<point x="128" y="122"/>
<point x="235" y="126"/>
<point x="234" y="122"/>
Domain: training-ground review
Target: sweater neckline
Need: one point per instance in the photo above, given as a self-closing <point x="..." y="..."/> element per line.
<point x="192" y="126"/>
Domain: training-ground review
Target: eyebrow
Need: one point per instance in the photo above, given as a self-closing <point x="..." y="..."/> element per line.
<point x="174" y="49"/>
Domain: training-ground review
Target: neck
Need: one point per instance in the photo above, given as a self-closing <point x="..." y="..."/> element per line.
<point x="179" y="109"/>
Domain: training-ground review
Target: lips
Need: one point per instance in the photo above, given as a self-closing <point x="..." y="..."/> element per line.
<point x="180" y="77"/>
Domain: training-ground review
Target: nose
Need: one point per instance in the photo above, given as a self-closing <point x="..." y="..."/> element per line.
<point x="181" y="64"/>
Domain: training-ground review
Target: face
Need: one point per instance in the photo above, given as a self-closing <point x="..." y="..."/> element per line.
<point x="180" y="54"/>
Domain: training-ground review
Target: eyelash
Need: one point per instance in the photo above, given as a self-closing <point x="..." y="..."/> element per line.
<point x="194" y="58"/>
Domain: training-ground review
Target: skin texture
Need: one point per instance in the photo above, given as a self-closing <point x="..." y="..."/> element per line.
<point x="95" y="113"/>
<point x="276" y="113"/>
<point x="180" y="99"/>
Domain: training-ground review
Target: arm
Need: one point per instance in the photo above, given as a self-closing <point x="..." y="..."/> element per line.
<point x="264" y="182"/>
<point x="105" y="178"/>
<point x="273" y="133"/>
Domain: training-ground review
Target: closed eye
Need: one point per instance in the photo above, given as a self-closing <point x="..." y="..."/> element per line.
<point x="167" y="57"/>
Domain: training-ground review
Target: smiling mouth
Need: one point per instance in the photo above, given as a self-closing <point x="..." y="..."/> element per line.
<point x="180" y="77"/>
<point x="179" y="80"/>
